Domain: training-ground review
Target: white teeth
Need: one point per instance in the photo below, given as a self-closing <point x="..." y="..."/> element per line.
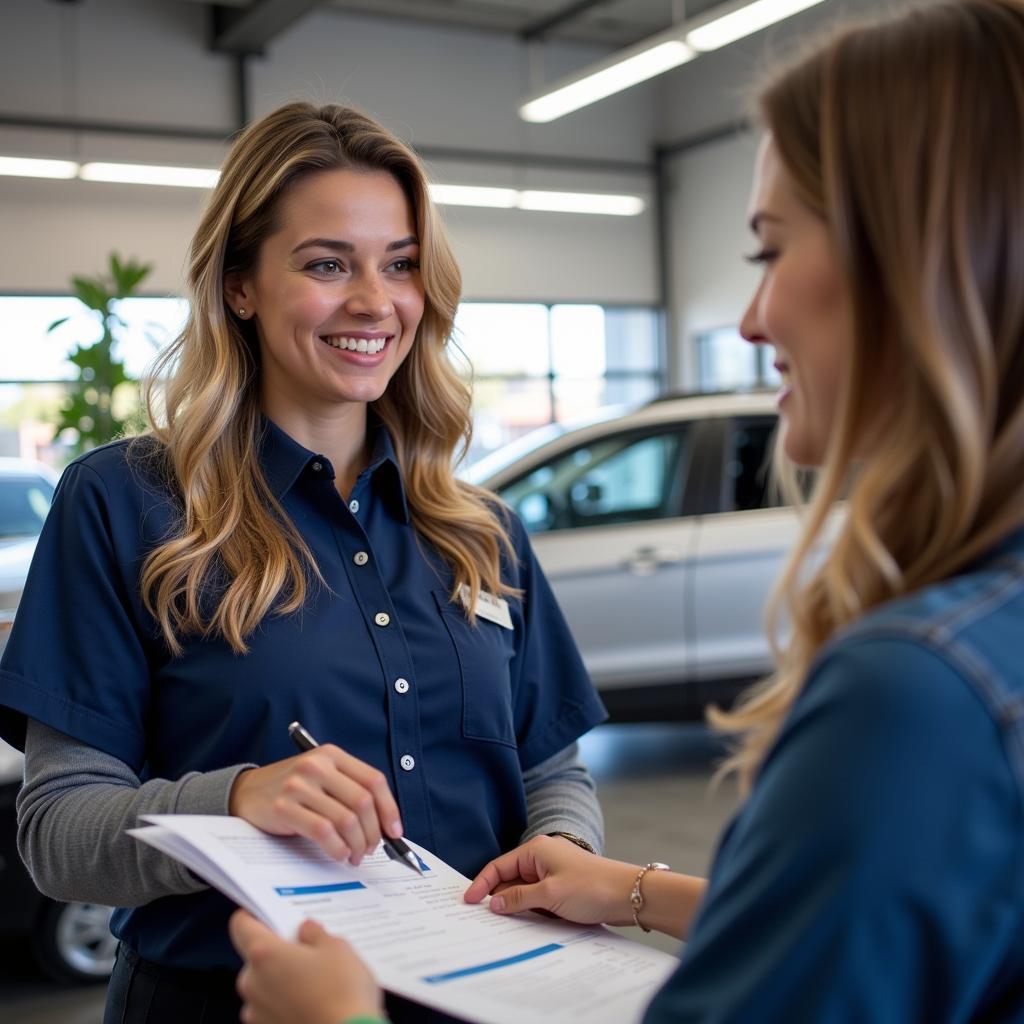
<point x="370" y="346"/>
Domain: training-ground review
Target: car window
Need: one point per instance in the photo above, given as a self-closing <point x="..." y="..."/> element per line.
<point x="619" y="479"/>
<point x="24" y="502"/>
<point x="747" y="477"/>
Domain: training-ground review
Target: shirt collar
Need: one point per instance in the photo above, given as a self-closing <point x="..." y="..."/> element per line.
<point x="283" y="460"/>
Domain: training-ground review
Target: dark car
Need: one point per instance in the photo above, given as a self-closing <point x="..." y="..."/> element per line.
<point x="71" y="941"/>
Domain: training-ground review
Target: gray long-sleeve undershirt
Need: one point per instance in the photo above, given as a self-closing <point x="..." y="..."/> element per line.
<point x="77" y="802"/>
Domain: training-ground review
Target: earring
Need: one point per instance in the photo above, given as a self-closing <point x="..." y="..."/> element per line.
<point x="241" y="312"/>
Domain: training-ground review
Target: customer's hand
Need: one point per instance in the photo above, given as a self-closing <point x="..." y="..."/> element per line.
<point x="549" y="873"/>
<point x="327" y="795"/>
<point x="317" y="980"/>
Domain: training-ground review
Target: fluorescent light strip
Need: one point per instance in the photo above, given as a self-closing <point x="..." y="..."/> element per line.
<point x="150" y="174"/>
<point x="450" y="195"/>
<point x="532" y="199"/>
<point x="470" y="195"/>
<point x="744" y="21"/>
<point x="25" y="167"/>
<point x="581" y="202"/>
<point x="607" y="79"/>
<point x="658" y="54"/>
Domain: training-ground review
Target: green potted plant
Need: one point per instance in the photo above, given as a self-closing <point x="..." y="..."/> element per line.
<point x="90" y="409"/>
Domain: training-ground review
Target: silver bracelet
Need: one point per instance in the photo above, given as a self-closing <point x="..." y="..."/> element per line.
<point x="636" y="897"/>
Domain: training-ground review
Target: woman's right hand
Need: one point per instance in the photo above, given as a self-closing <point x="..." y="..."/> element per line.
<point x="327" y="795"/>
<point x="550" y="873"/>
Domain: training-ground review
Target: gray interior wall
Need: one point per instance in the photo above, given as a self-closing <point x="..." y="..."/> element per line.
<point x="146" y="61"/>
<point x="711" y="283"/>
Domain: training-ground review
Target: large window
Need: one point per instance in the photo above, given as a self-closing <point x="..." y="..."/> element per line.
<point x="531" y="364"/>
<point x="539" y="364"/>
<point x="727" y="362"/>
<point x="34" y="365"/>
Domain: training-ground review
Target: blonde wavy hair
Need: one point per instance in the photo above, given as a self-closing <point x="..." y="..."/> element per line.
<point x="907" y="138"/>
<point x="235" y="556"/>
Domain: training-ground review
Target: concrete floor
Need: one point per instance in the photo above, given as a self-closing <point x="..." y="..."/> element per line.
<point x="653" y="782"/>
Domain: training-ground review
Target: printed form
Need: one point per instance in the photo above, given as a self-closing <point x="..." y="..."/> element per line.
<point x="417" y="935"/>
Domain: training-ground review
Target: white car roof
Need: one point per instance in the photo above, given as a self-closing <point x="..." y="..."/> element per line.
<point x="10" y="466"/>
<point x="554" y="437"/>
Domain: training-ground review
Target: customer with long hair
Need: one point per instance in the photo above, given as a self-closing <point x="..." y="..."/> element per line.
<point x="876" y="869"/>
<point x="288" y="542"/>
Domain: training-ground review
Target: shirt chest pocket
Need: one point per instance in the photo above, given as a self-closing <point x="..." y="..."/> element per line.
<point x="484" y="652"/>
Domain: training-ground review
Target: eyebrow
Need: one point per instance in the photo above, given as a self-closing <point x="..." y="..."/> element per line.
<point x="758" y="218"/>
<point x="339" y="245"/>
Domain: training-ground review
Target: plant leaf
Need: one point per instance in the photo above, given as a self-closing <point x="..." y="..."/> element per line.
<point x="56" y="323"/>
<point x="91" y="293"/>
<point x="128" y="276"/>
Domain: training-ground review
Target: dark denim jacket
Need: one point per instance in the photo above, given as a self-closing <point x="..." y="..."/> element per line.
<point x="876" y="874"/>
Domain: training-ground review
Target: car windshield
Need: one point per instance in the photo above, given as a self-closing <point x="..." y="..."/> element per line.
<point x="24" y="502"/>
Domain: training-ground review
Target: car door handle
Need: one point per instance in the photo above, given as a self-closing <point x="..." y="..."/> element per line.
<point x="646" y="560"/>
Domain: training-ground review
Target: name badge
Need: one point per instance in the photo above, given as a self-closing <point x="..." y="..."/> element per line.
<point x="489" y="607"/>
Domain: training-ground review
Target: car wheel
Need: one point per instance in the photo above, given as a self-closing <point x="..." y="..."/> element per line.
<point x="73" y="943"/>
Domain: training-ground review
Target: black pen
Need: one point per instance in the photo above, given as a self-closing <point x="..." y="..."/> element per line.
<point x="396" y="849"/>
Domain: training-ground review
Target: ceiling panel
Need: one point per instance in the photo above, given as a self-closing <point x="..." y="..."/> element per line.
<point x="615" y="22"/>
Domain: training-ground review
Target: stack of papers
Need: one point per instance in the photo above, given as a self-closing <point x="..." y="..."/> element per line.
<point x="416" y="934"/>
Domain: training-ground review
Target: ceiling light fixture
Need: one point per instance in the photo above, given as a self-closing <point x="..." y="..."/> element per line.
<point x="581" y="202"/>
<point x="648" y="59"/>
<point x="472" y="195"/>
<point x="657" y="54"/>
<point x="150" y="174"/>
<point x="539" y="200"/>
<point x="27" y="167"/>
<point x="449" y="195"/>
<point x="741" y="19"/>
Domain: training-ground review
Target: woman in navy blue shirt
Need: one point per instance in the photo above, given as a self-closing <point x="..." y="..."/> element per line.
<point x="289" y="542"/>
<point x="876" y="871"/>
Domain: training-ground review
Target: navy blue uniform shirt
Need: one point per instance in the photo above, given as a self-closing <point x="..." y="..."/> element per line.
<point x="876" y="874"/>
<point x="379" y="661"/>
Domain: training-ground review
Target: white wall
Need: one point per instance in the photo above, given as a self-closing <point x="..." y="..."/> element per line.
<point x="146" y="62"/>
<point x="711" y="283"/>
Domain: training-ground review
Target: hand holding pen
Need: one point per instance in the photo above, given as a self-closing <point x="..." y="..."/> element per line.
<point x="395" y="848"/>
<point x="341" y="803"/>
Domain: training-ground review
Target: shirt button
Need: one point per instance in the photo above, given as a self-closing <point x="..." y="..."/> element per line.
<point x="360" y="558"/>
<point x="402" y="685"/>
<point x="316" y="466"/>
<point x="408" y="762"/>
<point x="353" y="506"/>
<point x="382" y="618"/>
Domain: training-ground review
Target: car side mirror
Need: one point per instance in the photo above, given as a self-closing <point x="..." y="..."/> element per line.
<point x="536" y="512"/>
<point x="585" y="498"/>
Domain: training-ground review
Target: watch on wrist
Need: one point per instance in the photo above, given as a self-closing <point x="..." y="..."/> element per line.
<point x="576" y="840"/>
<point x="636" y="897"/>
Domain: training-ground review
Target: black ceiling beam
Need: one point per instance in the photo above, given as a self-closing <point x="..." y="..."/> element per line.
<point x="570" y="12"/>
<point x="247" y="30"/>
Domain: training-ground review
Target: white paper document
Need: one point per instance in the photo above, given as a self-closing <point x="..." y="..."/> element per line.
<point x="417" y="935"/>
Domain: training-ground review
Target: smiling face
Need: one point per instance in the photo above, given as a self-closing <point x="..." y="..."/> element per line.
<point x="336" y="295"/>
<point x="801" y="307"/>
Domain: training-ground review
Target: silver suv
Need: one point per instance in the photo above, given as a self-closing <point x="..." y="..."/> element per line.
<point x="659" y="533"/>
